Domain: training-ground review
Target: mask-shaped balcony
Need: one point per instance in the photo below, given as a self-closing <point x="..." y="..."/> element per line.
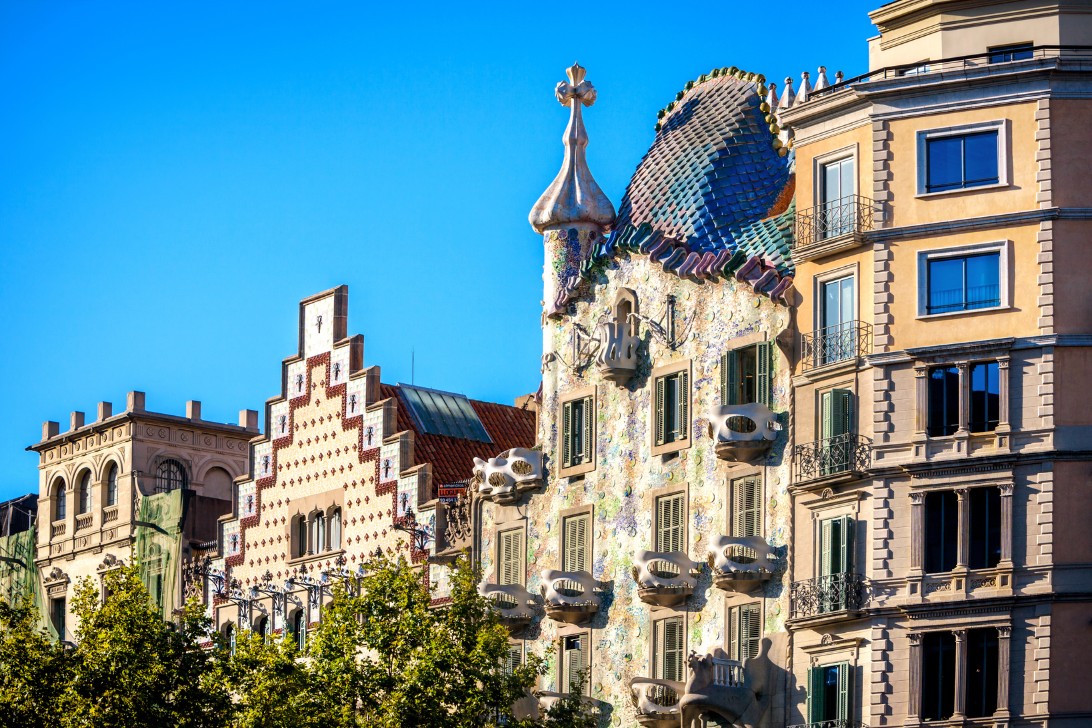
<point x="570" y="595"/>
<point x="716" y="685"/>
<point x="664" y="579"/>
<point x="740" y="564"/>
<point x="512" y="602"/>
<point x="617" y="355"/>
<point x="504" y="478"/>
<point x="742" y="432"/>
<point x="656" y="701"/>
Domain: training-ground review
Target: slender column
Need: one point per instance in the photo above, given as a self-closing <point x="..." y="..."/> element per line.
<point x="960" y="673"/>
<point x="964" y="399"/>
<point x="1003" y="395"/>
<point x="1004" y="648"/>
<point x="1006" y="523"/>
<point x="964" y="517"/>
<point x="913" y="703"/>
<point x="921" y="399"/>
<point x="917" y="530"/>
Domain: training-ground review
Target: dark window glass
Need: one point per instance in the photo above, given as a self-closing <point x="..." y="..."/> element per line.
<point x="1004" y="54"/>
<point x="112" y="486"/>
<point x="961" y="161"/>
<point x="943" y="401"/>
<point x="671" y="409"/>
<point x="941" y="531"/>
<point x="937" y="675"/>
<point x="170" y="476"/>
<point x="56" y="616"/>
<point x="985" y="528"/>
<point x="981" y="672"/>
<point x="964" y="283"/>
<point x="60" y="506"/>
<point x="985" y="396"/>
<point x="830" y="693"/>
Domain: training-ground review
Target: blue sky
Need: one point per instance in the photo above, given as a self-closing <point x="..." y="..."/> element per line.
<point x="174" y="177"/>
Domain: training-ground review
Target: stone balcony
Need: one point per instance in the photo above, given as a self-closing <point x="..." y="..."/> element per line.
<point x="83" y="521"/>
<point x="664" y="579"/>
<point x="503" y="479"/>
<point x="742" y="432"/>
<point x="617" y="354"/>
<point x="656" y="701"/>
<point x="570" y="596"/>
<point x="57" y="529"/>
<point x="512" y="602"/>
<point x="716" y="686"/>
<point x="740" y="564"/>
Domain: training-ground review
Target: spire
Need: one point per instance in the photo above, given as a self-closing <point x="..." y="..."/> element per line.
<point x="787" y="95"/>
<point x="573" y="199"/>
<point x="805" y="89"/>
<point x="821" y="80"/>
<point x="771" y="98"/>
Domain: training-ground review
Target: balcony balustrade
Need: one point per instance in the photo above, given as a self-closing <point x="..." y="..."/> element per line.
<point x="57" y="528"/>
<point x="739" y="564"/>
<point x="844" y="342"/>
<point x="845" y="456"/>
<point x="570" y="596"/>
<point x="716" y="686"/>
<point x="617" y="353"/>
<point x="83" y="521"/>
<point x="505" y="478"/>
<point x="109" y="514"/>
<point x="836" y="596"/>
<point x="512" y="602"/>
<point x="833" y="723"/>
<point x="665" y="579"/>
<point x="656" y="701"/>
<point x="832" y="227"/>
<point x="742" y="432"/>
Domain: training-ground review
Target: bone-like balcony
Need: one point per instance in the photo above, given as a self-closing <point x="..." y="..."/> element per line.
<point x="656" y="701"/>
<point x="617" y="355"/>
<point x="742" y="432"/>
<point x="740" y="564"/>
<point x="664" y="579"/>
<point x="512" y="602"/>
<point x="504" y="478"/>
<point x="570" y="595"/>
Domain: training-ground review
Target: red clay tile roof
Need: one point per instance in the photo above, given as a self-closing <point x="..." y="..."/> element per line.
<point x="452" y="458"/>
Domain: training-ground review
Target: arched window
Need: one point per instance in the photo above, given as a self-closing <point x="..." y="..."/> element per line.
<point x="335" y="529"/>
<point x="229" y="637"/>
<point x="60" y="500"/>
<point x="298" y="626"/>
<point x="261" y="627"/>
<point x="318" y="533"/>
<point x="170" y="476"/>
<point x="112" y="485"/>
<point x="299" y="536"/>
<point x="83" y="493"/>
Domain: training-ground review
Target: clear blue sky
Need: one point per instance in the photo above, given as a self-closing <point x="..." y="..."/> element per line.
<point x="174" y="177"/>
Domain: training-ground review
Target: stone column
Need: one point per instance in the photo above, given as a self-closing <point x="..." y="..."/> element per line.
<point x="964" y="517"/>
<point x="921" y="400"/>
<point x="964" y="400"/>
<point x="1004" y="649"/>
<point x="913" y="699"/>
<point x="917" y="530"/>
<point x="1006" y="524"/>
<point x="1003" y="414"/>
<point x="960" y="703"/>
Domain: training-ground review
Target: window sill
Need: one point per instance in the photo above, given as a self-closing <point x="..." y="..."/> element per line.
<point x="962" y="191"/>
<point x="575" y="470"/>
<point x="966" y="312"/>
<point x="671" y="447"/>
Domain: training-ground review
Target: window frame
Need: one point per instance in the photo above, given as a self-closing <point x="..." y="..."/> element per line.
<point x="1010" y="48"/>
<point x="814" y="709"/>
<point x="657" y="524"/>
<point x="1001" y="126"/>
<point x="563" y="672"/>
<point x="589" y="544"/>
<point x="733" y="632"/>
<point x="660" y="374"/>
<point x="589" y="428"/>
<point x="733" y="503"/>
<point x="660" y="649"/>
<point x="111" y="487"/>
<point x="520" y="568"/>
<point x="1004" y="272"/>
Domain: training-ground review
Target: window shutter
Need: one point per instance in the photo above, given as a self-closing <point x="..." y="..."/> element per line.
<point x="729" y="378"/>
<point x="511" y="557"/>
<point x="815" y="695"/>
<point x="662" y="521"/>
<point x="843" y="691"/>
<point x="566" y="434"/>
<point x="677" y="516"/>
<point x="589" y="430"/>
<point x="669" y="523"/>
<point x="576" y="541"/>
<point x="683" y="422"/>
<point x="738" y="488"/>
<point x="673" y="648"/>
<point x="845" y="547"/>
<point x="825" y="551"/>
<point x="751" y="631"/>
<point x="826" y="425"/>
<point x="763" y="373"/>
<point x="513" y="658"/>
<point x="841" y="412"/>
<point x="733" y="633"/>
<point x="658" y="415"/>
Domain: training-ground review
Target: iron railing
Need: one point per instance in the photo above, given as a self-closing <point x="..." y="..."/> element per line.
<point x="851" y="214"/>
<point x="845" y="592"/>
<point x="1077" y="56"/>
<point x="848" y="453"/>
<point x="837" y="343"/>
<point x="832" y="723"/>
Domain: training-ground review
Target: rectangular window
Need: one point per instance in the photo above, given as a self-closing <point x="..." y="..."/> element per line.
<point x="671" y="523"/>
<point x="577" y="432"/>
<point x="672" y="407"/>
<point x="981" y="672"/>
<point x="745" y="375"/>
<point x="985" y="527"/>
<point x="513" y="658"/>
<point x="574" y="662"/>
<point x="943" y="401"/>
<point x="985" y="397"/>
<point x="744" y="631"/>
<point x="941" y="531"/>
<point x="937" y="675"/>
<point x="1015" y="52"/>
<point x="961" y="161"/>
<point x="836" y="185"/>
<point x="670" y="648"/>
<point x="510" y="557"/>
<point x="828" y="694"/>
<point x="837" y="451"/>
<point x="835" y="561"/>
<point x="574" y="546"/>
<point x="837" y="339"/>
<point x="57" y="615"/>
<point x="963" y="283"/>
<point x="746" y="507"/>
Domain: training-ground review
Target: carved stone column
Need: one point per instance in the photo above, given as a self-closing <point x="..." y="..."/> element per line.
<point x="921" y="402"/>
<point x="1004" y="647"/>
<point x="964" y="400"/>
<point x="960" y="687"/>
<point x="964" y="516"/>
<point x="917" y="530"/>
<point x="1003" y="417"/>
<point x="1006" y="524"/>
<point x="913" y="699"/>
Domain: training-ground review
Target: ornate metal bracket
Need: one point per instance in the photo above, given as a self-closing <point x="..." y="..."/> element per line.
<point x="664" y="328"/>
<point x="419" y="535"/>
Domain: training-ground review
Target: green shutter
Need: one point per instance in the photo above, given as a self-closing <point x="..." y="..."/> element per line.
<point x="826" y="424"/>
<point x="750" y="629"/>
<point x="566" y="434"/>
<point x="843" y="691"/>
<point x="683" y="422"/>
<point x="815" y="695"/>
<point x="573" y="661"/>
<point x="513" y="658"/>
<point x="845" y="546"/>
<point x="729" y="378"/>
<point x="825" y="549"/>
<point x="764" y="373"/>
<point x="658" y="415"/>
<point x="589" y="430"/>
<point x="841" y="412"/>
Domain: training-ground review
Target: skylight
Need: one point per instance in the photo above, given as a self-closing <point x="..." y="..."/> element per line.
<point x="443" y="413"/>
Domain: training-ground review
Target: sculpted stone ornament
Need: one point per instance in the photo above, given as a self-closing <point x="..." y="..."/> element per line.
<point x="741" y="696"/>
<point x="742" y="432"/>
<point x="617" y="355"/>
<point x="504" y="478"/>
<point x="570" y="595"/>
<point x="739" y="564"/>
<point x="512" y="602"/>
<point x="664" y="579"/>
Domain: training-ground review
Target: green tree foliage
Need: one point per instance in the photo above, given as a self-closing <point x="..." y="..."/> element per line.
<point x="271" y="684"/>
<point x="33" y="669"/>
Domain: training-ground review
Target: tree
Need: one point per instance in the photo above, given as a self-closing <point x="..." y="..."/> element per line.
<point x="271" y="685"/>
<point x="33" y="669"/>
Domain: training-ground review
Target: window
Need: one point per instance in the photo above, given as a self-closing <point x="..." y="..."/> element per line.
<point x="981" y="672"/>
<point x="578" y="433"/>
<point x="941" y="531"/>
<point x="963" y="283"/>
<point x="574" y="543"/>
<point x="744" y="631"/>
<point x="1015" y="52"/>
<point x="574" y="662"/>
<point x="318" y="533"/>
<point x="229" y="637"/>
<point x="672" y="407"/>
<point x="262" y="626"/>
<point x="335" y="529"/>
<point x="943" y="401"/>
<point x="57" y="611"/>
<point x="112" y="486"/>
<point x="835" y="563"/>
<point x="829" y="694"/>
<point x="513" y="658"/>
<point x="836" y="184"/>
<point x="671" y="523"/>
<point x="837" y="423"/>
<point x="83" y="495"/>
<point x="937" y="675"/>
<point x="837" y="339"/>
<point x="669" y="649"/>
<point x="60" y="500"/>
<point x="745" y="375"/>
<point x="985" y="527"/>
<point x="915" y="70"/>
<point x="510" y="568"/>
<point x="170" y="476"/>
<point x="961" y="160"/>
<point x="297" y="625"/>
<point x="299" y="536"/>
<point x="746" y="507"/>
<point x="985" y="397"/>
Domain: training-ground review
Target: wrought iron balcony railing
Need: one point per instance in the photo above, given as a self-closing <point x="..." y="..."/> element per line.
<point x="832" y="723"/>
<point x="833" y="344"/>
<point x="845" y="592"/>
<point x="849" y="215"/>
<point x="841" y="454"/>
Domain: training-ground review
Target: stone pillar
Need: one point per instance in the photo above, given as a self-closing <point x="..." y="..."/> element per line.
<point x="964" y="400"/>
<point x="964" y="529"/>
<point x="913" y="699"/>
<point x="921" y="399"/>
<point x="1006" y="524"/>
<point x="1003" y="414"/>
<point x="960" y="705"/>
<point x="917" y="531"/>
<point x="1004" y="650"/>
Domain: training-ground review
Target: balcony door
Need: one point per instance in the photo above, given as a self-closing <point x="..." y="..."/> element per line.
<point x="835" y="563"/>
<point x="837" y="312"/>
<point x="836" y="449"/>
<point x="835" y="186"/>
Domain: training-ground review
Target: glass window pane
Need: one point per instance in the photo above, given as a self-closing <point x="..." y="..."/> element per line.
<point x="831" y="178"/>
<point x="944" y="163"/>
<point x="983" y="281"/>
<point x="985" y="397"/>
<point x="945" y="277"/>
<point x="980" y="151"/>
<point x="846" y="169"/>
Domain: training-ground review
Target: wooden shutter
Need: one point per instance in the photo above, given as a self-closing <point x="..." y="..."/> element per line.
<point x="750" y="630"/>
<point x="764" y="373"/>
<point x="746" y="507"/>
<point x="510" y="555"/>
<point x="729" y="378"/>
<point x="845" y="544"/>
<point x="825" y="548"/>
<point x="589" y="430"/>
<point x="660" y="411"/>
<point x="513" y="658"/>
<point x="669" y="523"/>
<point x="826" y="424"/>
<point x="669" y="648"/>
<point x="841" y="412"/>
<point x="682" y="423"/>
<point x="844" y="687"/>
<point x="573" y="661"/>
<point x="576" y="543"/>
<point x="566" y="434"/>
<point x="815" y="695"/>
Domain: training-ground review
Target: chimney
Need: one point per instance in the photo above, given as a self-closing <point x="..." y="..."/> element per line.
<point x="50" y="429"/>
<point x="134" y="402"/>
<point x="105" y="410"/>
<point x="76" y="421"/>
<point x="248" y="419"/>
<point x="193" y="410"/>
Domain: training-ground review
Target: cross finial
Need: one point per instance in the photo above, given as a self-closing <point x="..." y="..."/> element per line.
<point x="576" y="88"/>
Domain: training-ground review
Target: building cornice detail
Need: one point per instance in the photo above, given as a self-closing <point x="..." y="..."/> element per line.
<point x="985" y="222"/>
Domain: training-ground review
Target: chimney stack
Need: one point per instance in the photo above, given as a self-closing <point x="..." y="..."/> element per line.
<point x="134" y="402"/>
<point x="248" y="418"/>
<point x="105" y="410"/>
<point x="193" y="410"/>
<point x="50" y="429"/>
<point x="76" y="421"/>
